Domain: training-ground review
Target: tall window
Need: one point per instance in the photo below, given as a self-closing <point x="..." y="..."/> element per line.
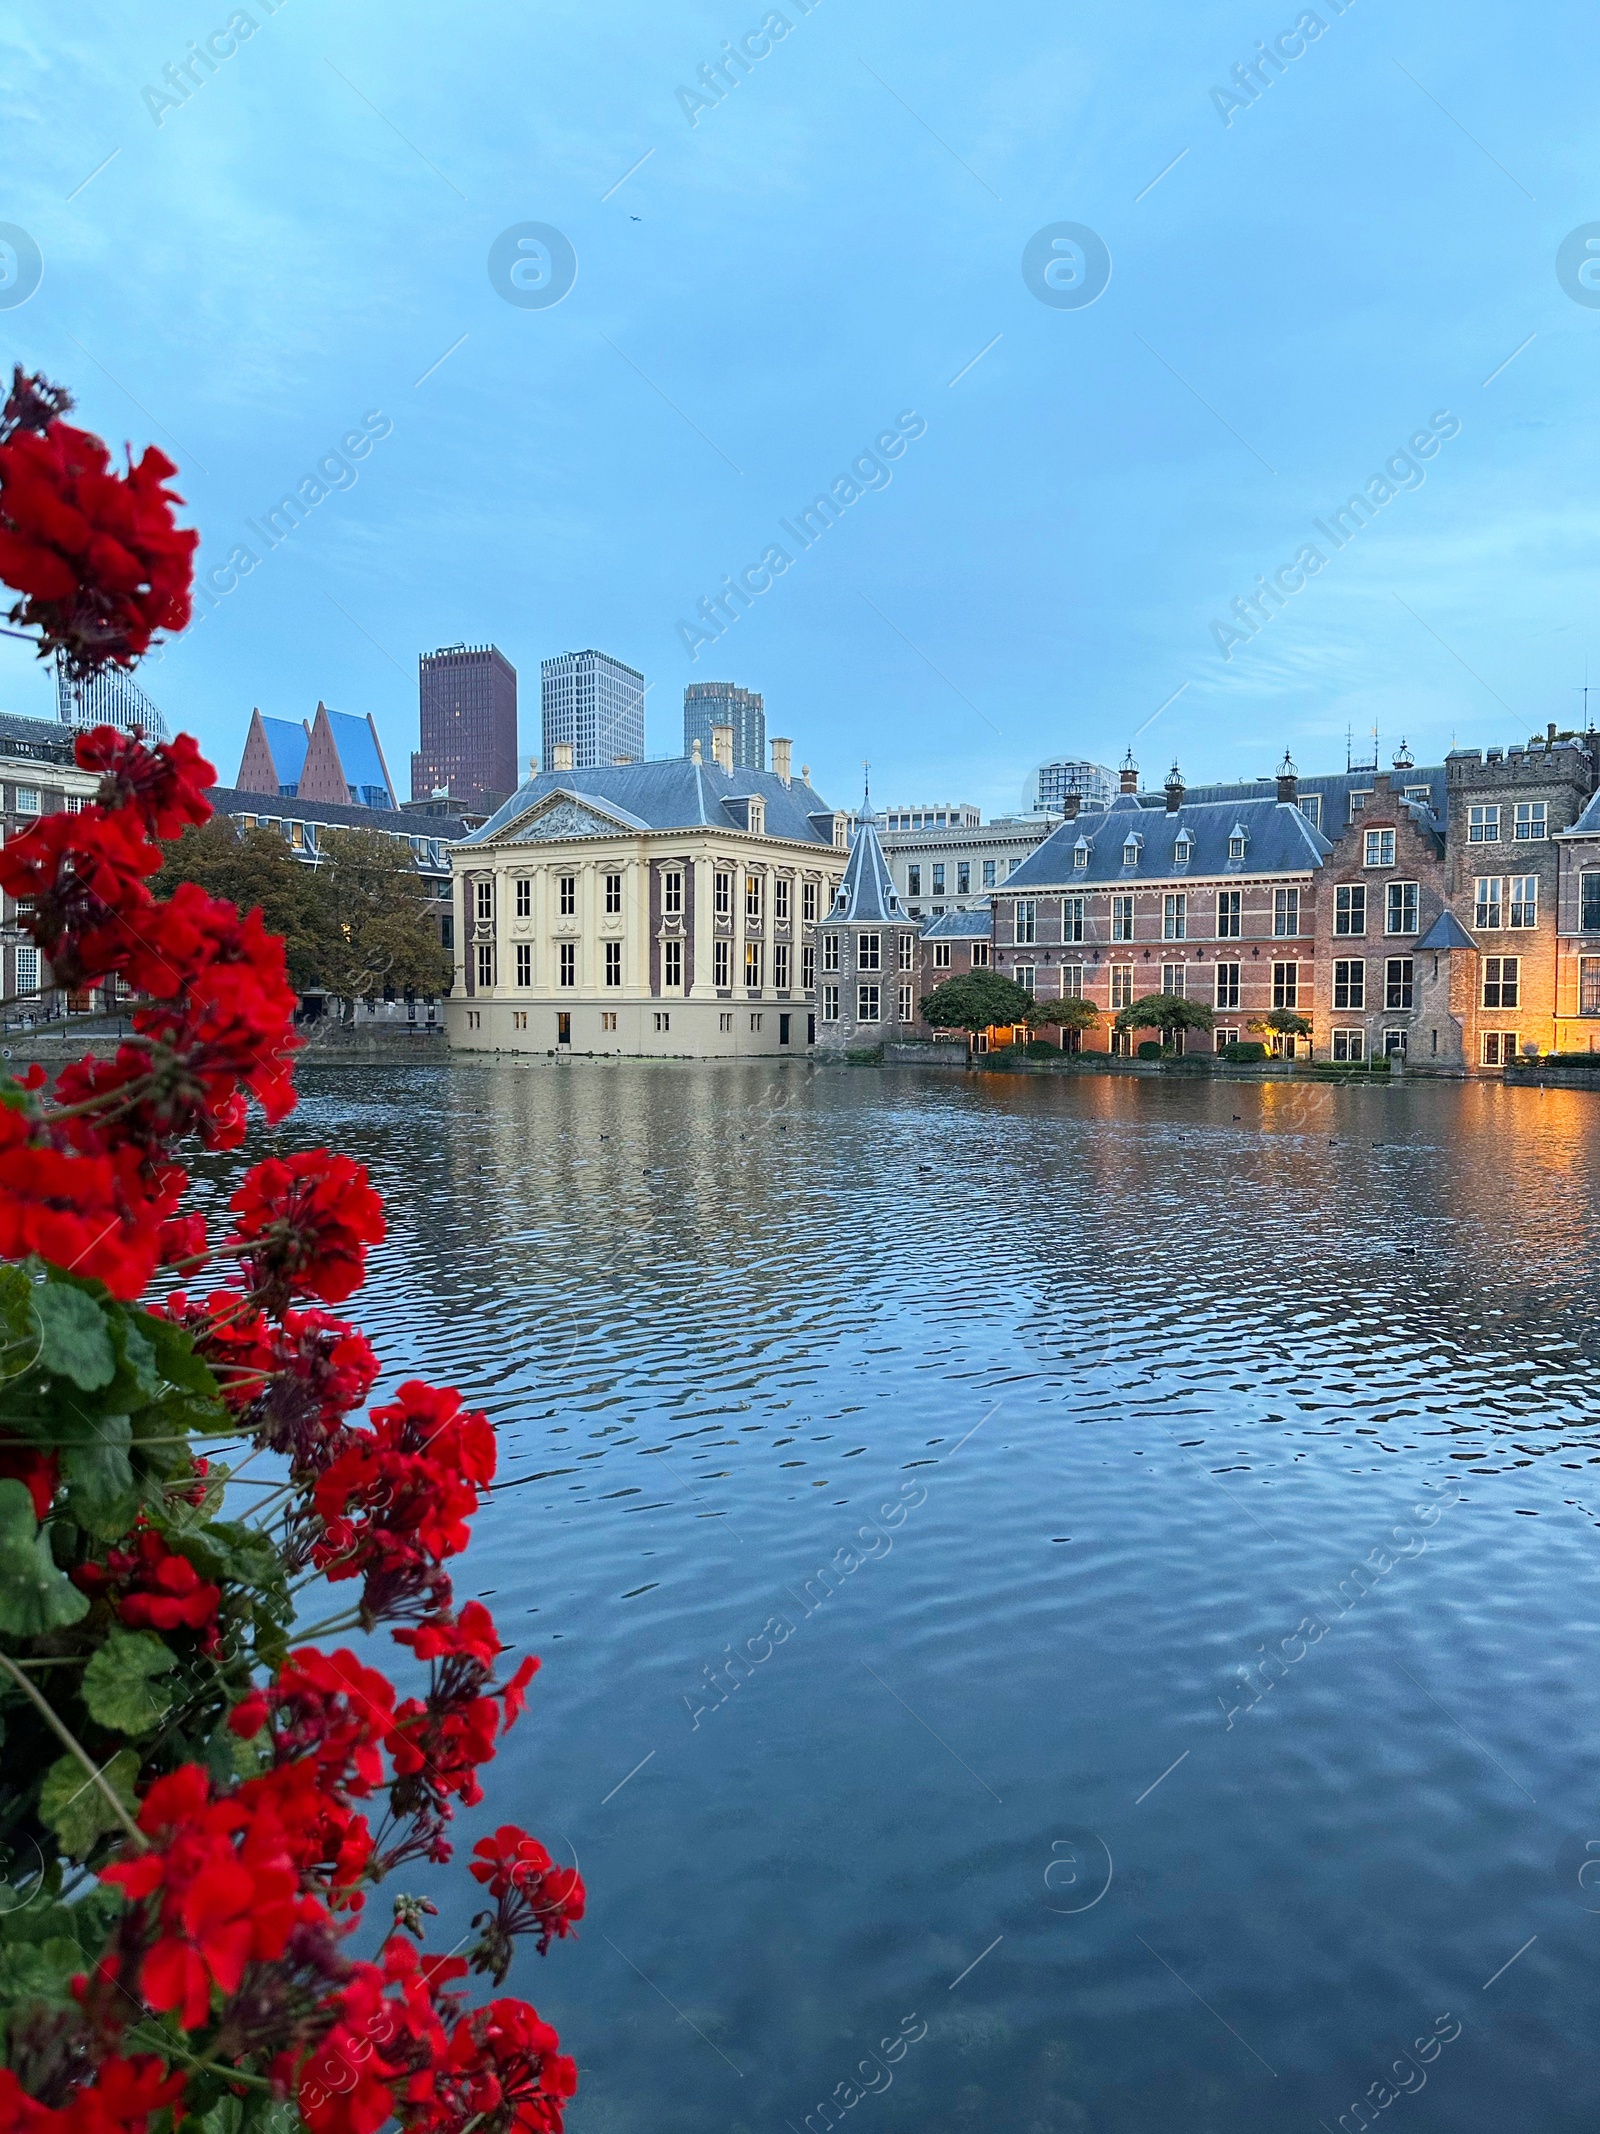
<point x="988" y="874"/>
<point x="1349" y="984"/>
<point x="808" y="968"/>
<point x="830" y="1004"/>
<point x="1227" y="985"/>
<point x="941" y="955"/>
<point x="1072" y="915"/>
<point x="1589" y="902"/>
<point x="752" y="900"/>
<point x="963" y="878"/>
<point x="722" y="894"/>
<point x="752" y="964"/>
<point x="524" y="896"/>
<point x="1175" y="916"/>
<point x="1122" y="918"/>
<point x="1524" y="900"/>
<point x="1121" y="986"/>
<point x="671" y="964"/>
<point x="1027" y="921"/>
<point x="1349" y="1044"/>
<point x="867" y="997"/>
<point x="1072" y="981"/>
<point x="721" y="965"/>
<point x="27" y="800"/>
<point x="869" y="952"/>
<point x="907" y="1003"/>
<point x="913" y="881"/>
<point x="28" y="970"/>
<point x="808" y="903"/>
<point x="1487" y="915"/>
<point x="524" y="963"/>
<point x="613" y="895"/>
<point x="938" y="878"/>
<point x="567" y="964"/>
<point x="672" y="893"/>
<point x="1286" y="985"/>
<point x="1483" y="826"/>
<point x="485" y="900"/>
<point x="780" y="965"/>
<point x="1400" y="908"/>
<point x="1532" y="821"/>
<point x="1285" y="912"/>
<point x="1027" y="974"/>
<point x="1502" y="981"/>
<point x="908" y="951"/>
<point x="980" y="955"/>
<point x="1173" y="979"/>
<point x="1379" y="848"/>
<point x="567" y="895"/>
<point x="830" y="952"/>
<point x="1350" y="908"/>
<point x="1399" y="982"/>
<point x="780" y="900"/>
<point x="1230" y="904"/>
<point x="1499" y="1047"/>
<point x="614" y="962"/>
<point x="486" y="963"/>
<point x="1589" y="985"/>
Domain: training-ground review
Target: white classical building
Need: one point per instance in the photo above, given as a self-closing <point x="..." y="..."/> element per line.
<point x="667" y="909"/>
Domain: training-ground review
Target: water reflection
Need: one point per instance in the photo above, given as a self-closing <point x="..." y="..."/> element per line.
<point x="1167" y="1365"/>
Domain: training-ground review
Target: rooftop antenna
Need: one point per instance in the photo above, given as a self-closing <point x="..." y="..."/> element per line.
<point x="1349" y="749"/>
<point x="1584" y="693"/>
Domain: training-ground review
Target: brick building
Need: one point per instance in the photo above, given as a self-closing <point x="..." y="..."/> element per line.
<point x="867" y="971"/>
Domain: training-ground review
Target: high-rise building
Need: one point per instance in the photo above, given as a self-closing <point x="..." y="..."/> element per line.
<point x="596" y="705"/>
<point x="468" y="698"/>
<point x="708" y="704"/>
<point x="1092" y="783"/>
<point x="110" y="698"/>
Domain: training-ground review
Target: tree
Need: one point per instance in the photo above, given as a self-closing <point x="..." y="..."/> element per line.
<point x="1063" y="1014"/>
<point x="1282" y="1022"/>
<point x="1169" y="1013"/>
<point x="383" y="927"/>
<point x="977" y="1000"/>
<point x="255" y="869"/>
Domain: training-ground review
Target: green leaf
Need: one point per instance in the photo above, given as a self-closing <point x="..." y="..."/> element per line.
<point x="19" y="1330"/>
<point x="76" y="1340"/>
<point x="95" y="1465"/>
<point x="174" y="1354"/>
<point x="34" y="1595"/>
<point x="73" y="1806"/>
<point x="119" y="1684"/>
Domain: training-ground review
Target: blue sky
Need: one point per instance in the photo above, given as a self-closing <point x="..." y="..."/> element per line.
<point x="827" y="249"/>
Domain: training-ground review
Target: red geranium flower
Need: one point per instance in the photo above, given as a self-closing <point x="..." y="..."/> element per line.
<point x="307" y="1221"/>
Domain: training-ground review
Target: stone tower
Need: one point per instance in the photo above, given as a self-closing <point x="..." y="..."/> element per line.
<point x="866" y="953"/>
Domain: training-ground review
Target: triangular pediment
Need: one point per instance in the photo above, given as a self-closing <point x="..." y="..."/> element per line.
<point x="558" y="816"/>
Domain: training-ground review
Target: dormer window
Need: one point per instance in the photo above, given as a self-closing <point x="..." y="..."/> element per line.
<point x="1080" y="853"/>
<point x="1236" y="842"/>
<point x="1130" y="851"/>
<point x="757" y="810"/>
<point x="1183" y="850"/>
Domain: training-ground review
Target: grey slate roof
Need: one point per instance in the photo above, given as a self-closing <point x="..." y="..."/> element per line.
<point x="336" y="814"/>
<point x="676" y="794"/>
<point x="47" y="739"/>
<point x="959" y="926"/>
<point x="1447" y="932"/>
<point x="1588" y="823"/>
<point x="1278" y="839"/>
<point x="1335" y="787"/>
<point x="867" y="895"/>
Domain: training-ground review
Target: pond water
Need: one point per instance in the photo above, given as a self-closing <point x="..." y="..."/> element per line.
<point x="1147" y="1539"/>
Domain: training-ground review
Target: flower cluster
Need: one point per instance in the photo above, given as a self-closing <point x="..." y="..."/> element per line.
<point x="96" y="556"/>
<point x="233" y="1800"/>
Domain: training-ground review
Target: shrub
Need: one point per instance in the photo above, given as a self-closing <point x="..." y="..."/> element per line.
<point x="1149" y="1050"/>
<point x="1246" y="1052"/>
<point x="1041" y="1049"/>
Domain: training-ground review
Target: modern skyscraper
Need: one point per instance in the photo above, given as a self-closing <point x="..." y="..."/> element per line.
<point x="1091" y="782"/>
<point x="708" y="704"/>
<point x="596" y="704"/>
<point x="468" y="697"/>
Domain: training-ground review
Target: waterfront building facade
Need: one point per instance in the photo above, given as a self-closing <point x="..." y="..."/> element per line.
<point x="708" y="705"/>
<point x="38" y="776"/>
<point x="467" y="705"/>
<point x="868" y="968"/>
<point x="665" y="909"/>
<point x="951" y="946"/>
<point x="957" y="866"/>
<point x="1577" y="983"/>
<point x="593" y="705"/>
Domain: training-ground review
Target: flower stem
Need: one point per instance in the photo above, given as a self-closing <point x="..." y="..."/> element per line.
<point x="71" y="1742"/>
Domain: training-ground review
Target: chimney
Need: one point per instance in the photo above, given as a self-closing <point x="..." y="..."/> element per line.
<point x="1174" y="790"/>
<point x="780" y="759"/>
<point x="1070" y="806"/>
<point x="1288" y="782"/>
<point x="722" y="747"/>
<point x="1130" y="774"/>
<point x="561" y="756"/>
